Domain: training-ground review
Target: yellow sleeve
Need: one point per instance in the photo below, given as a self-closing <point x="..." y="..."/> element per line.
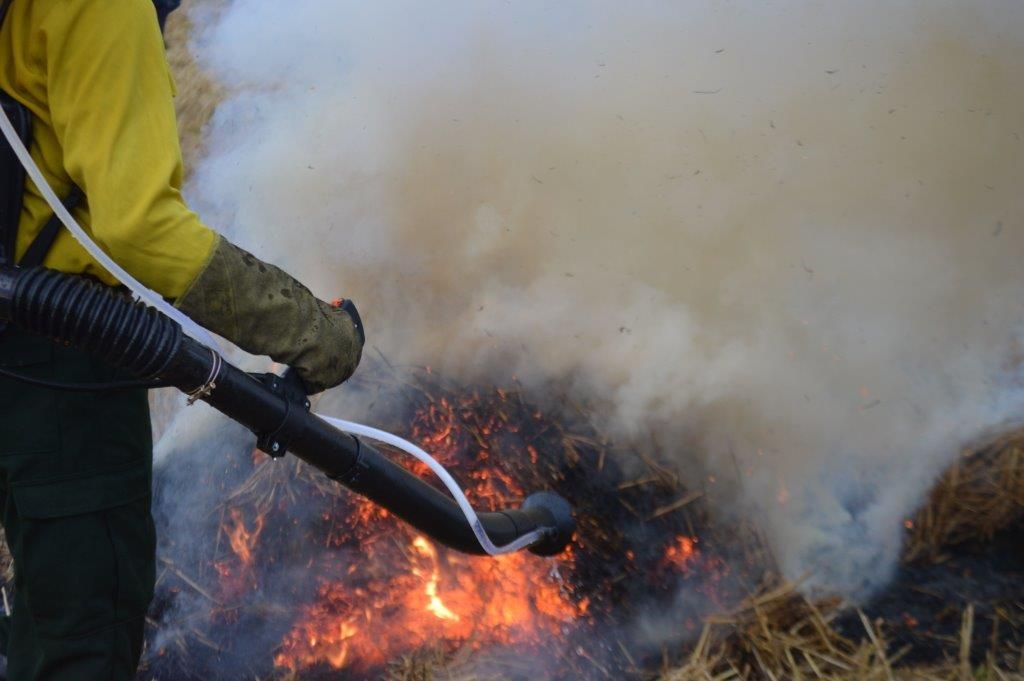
<point x="110" y="100"/>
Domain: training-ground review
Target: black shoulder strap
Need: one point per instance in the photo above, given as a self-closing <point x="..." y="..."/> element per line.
<point x="12" y="177"/>
<point x="40" y="246"/>
<point x="12" y="186"/>
<point x="163" y="8"/>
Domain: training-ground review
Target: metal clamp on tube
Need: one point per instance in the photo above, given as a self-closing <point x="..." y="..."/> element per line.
<point x="74" y="310"/>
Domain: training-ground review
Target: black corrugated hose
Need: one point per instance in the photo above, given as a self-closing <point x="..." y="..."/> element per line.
<point x="122" y="332"/>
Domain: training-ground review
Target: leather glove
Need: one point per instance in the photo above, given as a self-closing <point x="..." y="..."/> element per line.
<point x="265" y="311"/>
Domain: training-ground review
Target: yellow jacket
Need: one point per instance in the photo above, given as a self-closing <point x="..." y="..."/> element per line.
<point x="95" y="77"/>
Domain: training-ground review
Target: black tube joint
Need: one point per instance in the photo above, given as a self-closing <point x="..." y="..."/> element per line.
<point x="289" y="388"/>
<point x="360" y="466"/>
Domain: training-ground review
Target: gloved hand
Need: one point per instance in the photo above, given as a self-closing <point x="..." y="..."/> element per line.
<point x="265" y="311"/>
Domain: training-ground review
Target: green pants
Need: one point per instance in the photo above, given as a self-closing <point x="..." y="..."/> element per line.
<point x="75" y="486"/>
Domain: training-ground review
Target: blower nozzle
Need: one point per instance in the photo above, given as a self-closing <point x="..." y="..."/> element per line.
<point x="82" y="313"/>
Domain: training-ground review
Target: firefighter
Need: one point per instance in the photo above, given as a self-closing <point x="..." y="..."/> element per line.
<point x="75" y="469"/>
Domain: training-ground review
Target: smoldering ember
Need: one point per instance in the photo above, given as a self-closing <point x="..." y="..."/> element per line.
<point x="715" y="307"/>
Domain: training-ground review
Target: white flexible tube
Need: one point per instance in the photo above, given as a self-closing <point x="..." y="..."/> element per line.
<point x="446" y="478"/>
<point x="150" y="297"/>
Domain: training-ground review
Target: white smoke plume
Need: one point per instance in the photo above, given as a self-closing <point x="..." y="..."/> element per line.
<point x="783" y="237"/>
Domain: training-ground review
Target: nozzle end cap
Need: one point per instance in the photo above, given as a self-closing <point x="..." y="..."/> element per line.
<point x="562" y="520"/>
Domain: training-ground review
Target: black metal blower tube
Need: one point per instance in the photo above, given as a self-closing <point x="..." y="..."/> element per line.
<point x="85" y="314"/>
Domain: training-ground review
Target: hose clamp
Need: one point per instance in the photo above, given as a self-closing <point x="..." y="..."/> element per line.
<point x="211" y="381"/>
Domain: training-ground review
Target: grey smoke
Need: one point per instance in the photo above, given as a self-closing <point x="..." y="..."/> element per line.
<point x="781" y="238"/>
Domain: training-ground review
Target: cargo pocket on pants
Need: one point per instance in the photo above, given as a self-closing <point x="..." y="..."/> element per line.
<point x="86" y="552"/>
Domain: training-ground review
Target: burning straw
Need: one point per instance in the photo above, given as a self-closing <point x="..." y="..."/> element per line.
<point x="338" y="584"/>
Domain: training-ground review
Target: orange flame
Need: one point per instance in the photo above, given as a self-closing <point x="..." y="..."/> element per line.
<point x="236" y="577"/>
<point x="434" y="603"/>
<point x="402" y="593"/>
<point x="433" y="597"/>
<point x="398" y="592"/>
<point x="242" y="540"/>
<point x="682" y="554"/>
<point x="380" y="590"/>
